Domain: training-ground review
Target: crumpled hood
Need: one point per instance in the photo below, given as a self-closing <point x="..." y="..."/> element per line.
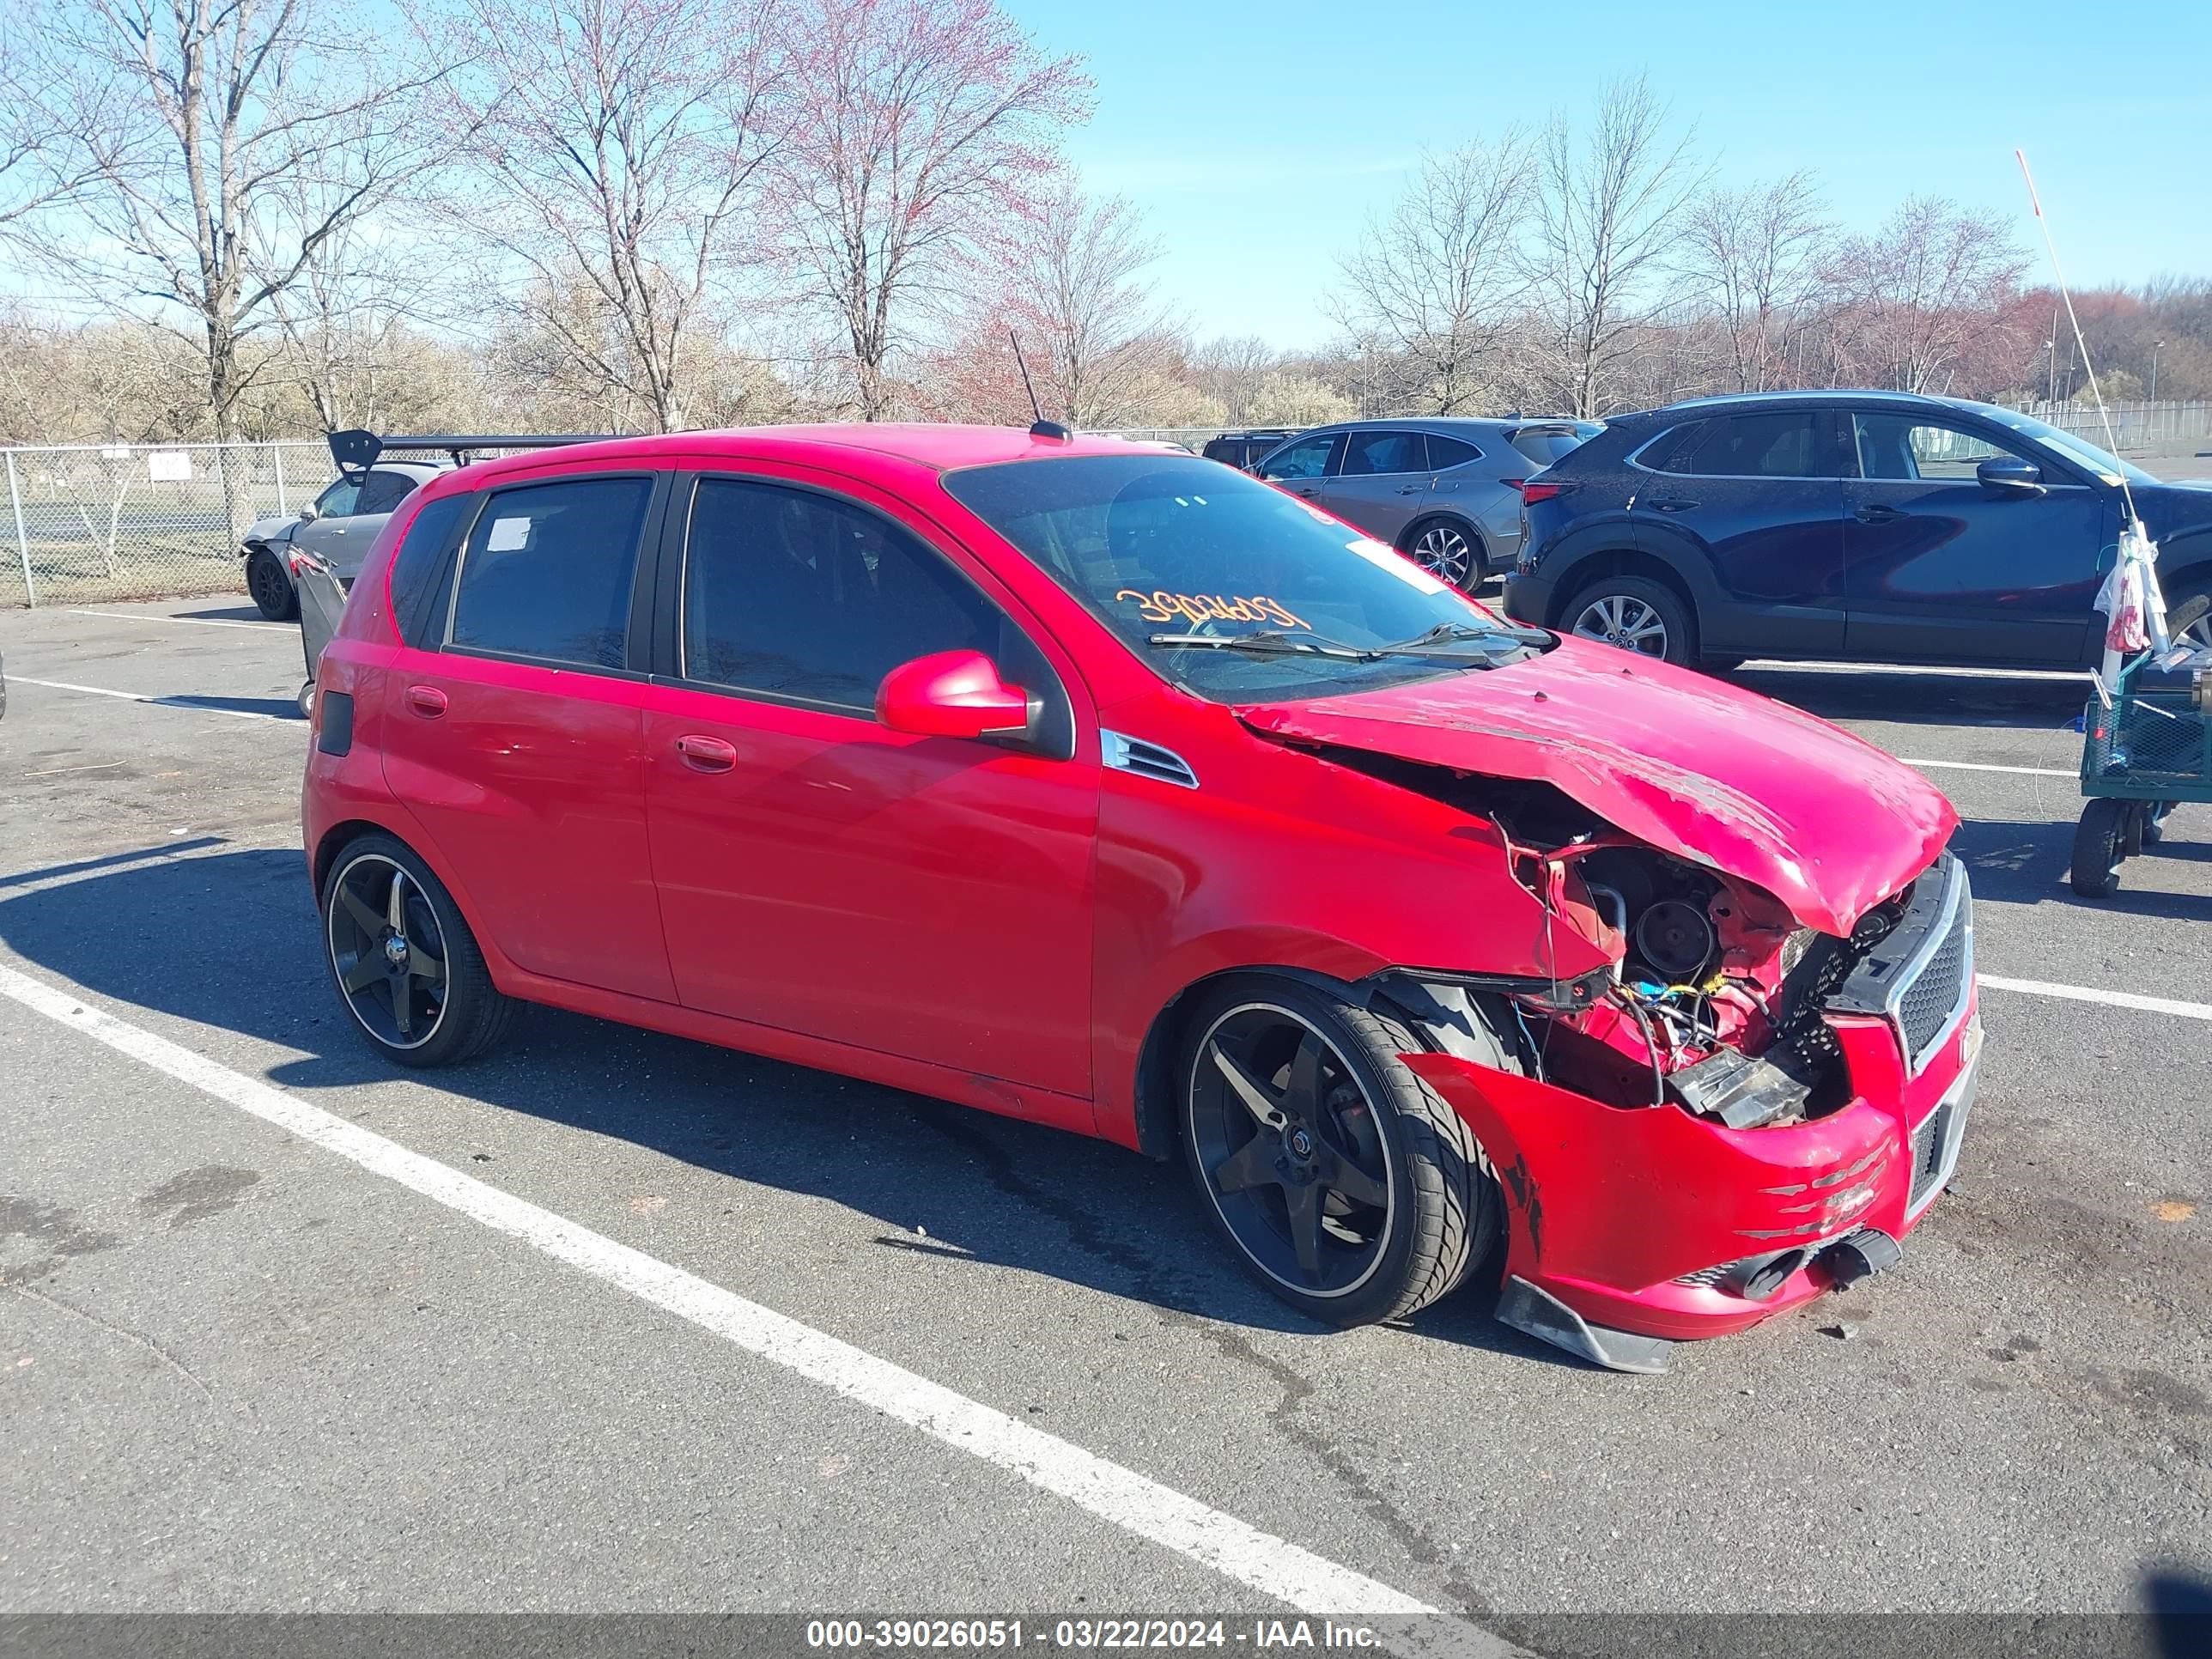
<point x="270" y="532"/>
<point x="1720" y="777"/>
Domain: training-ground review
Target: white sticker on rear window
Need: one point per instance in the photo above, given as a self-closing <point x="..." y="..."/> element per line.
<point x="1384" y="556"/>
<point x="508" y="535"/>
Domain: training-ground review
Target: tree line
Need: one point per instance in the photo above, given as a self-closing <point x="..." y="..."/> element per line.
<point x="259" y="218"/>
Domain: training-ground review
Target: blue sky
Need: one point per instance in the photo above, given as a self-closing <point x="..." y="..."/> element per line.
<point x="1257" y="138"/>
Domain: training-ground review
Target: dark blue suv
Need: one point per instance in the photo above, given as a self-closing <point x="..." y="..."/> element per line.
<point x="1855" y="525"/>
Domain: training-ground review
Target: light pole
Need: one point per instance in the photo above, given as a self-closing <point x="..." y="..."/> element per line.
<point x="2051" y="372"/>
<point x="2154" y="345"/>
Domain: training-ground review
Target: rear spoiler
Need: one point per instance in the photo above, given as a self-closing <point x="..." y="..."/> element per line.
<point x="356" y="452"/>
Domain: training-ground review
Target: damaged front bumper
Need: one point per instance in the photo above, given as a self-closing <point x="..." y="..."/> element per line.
<point x="1631" y="1228"/>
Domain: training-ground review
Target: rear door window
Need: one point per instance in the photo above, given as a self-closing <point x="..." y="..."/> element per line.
<point x="792" y="593"/>
<point x="1777" y="443"/>
<point x="421" y="574"/>
<point x="547" y="570"/>
<point x="1366" y="453"/>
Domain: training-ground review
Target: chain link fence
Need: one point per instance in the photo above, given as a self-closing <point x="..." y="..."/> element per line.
<point x="129" y="521"/>
<point x="134" y="521"/>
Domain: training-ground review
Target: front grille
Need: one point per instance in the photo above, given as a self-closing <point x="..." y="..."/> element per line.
<point x="1708" y="1276"/>
<point x="1920" y="975"/>
<point x="1926" y="1004"/>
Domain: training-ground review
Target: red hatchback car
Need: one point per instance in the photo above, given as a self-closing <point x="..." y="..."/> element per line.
<point x="1115" y="789"/>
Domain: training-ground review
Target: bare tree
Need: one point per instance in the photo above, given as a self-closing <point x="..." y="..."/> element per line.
<point x="1757" y="256"/>
<point x="913" y="123"/>
<point x="1229" y="371"/>
<point x="1607" y="206"/>
<point x="620" y="141"/>
<point x="1922" y="291"/>
<point x="1068" y="278"/>
<point x="188" y="114"/>
<point x="1437" y="278"/>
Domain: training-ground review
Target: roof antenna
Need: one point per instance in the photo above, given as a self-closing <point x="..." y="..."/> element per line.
<point x="1043" y="427"/>
<point x="2130" y="600"/>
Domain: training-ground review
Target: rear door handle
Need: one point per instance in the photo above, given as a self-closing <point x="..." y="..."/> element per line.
<point x="704" y="754"/>
<point x="1877" y="513"/>
<point x="1410" y="490"/>
<point x="1309" y="490"/>
<point x="1669" y="504"/>
<point x="427" y="700"/>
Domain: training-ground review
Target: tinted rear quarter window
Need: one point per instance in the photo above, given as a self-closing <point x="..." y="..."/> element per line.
<point x="1445" y="453"/>
<point x="383" y="492"/>
<point x="547" y="571"/>
<point x="419" y="579"/>
<point x="1542" y="448"/>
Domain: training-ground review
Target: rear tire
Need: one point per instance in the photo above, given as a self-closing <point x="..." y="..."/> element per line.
<point x="271" y="585"/>
<point x="2099" y="846"/>
<point x="1386" y="1178"/>
<point x="403" y="960"/>
<point x="1635" y="614"/>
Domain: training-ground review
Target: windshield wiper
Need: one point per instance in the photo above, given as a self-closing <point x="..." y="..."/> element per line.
<point x="1272" y="642"/>
<point x="1453" y="633"/>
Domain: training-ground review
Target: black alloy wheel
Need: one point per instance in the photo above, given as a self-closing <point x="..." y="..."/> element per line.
<point x="388" y="951"/>
<point x="403" y="960"/>
<point x="1347" y="1187"/>
<point x="271" y="587"/>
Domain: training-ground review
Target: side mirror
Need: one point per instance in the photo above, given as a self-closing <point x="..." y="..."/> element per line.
<point x="951" y="694"/>
<point x="2008" y="475"/>
<point x="308" y="513"/>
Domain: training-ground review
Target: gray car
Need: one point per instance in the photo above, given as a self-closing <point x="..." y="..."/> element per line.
<point x="336" y="528"/>
<point x="1443" y="490"/>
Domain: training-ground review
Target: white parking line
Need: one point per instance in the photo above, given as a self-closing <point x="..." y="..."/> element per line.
<point x="1265" y="1562"/>
<point x="2037" y="987"/>
<point x="140" y="697"/>
<point x="1984" y="766"/>
<point x="189" y="621"/>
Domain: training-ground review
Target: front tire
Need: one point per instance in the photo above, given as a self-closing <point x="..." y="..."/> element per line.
<point x="1341" y="1181"/>
<point x="2099" y="844"/>
<point x="2188" y="616"/>
<point x="404" y="962"/>
<point x="1448" y="551"/>
<point x="270" y="586"/>
<point x="1635" y="614"/>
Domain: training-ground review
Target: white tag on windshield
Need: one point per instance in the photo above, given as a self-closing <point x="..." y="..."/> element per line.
<point x="1384" y="557"/>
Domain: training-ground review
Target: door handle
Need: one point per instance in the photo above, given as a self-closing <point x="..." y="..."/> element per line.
<point x="1410" y="490"/>
<point x="1877" y="513"/>
<point x="427" y="700"/>
<point x="1669" y="504"/>
<point x="1309" y="490"/>
<point x="703" y="754"/>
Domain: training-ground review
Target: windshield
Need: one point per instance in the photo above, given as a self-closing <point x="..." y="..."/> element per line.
<point x="1177" y="554"/>
<point x="2079" y="450"/>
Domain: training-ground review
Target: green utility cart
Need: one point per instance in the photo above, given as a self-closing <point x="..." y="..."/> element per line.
<point x="2147" y="752"/>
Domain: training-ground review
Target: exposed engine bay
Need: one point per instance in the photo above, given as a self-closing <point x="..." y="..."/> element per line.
<point x="1715" y="1000"/>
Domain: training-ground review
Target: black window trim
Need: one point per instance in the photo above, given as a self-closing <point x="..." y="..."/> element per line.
<point x="672" y="563"/>
<point x="641" y="585"/>
<point x="1817" y="412"/>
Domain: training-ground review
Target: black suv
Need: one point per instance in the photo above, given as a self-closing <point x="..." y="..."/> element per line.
<point x="1871" y="526"/>
<point x="1242" y="449"/>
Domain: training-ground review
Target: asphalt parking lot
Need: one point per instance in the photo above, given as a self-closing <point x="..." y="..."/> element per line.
<point x="249" y="1363"/>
